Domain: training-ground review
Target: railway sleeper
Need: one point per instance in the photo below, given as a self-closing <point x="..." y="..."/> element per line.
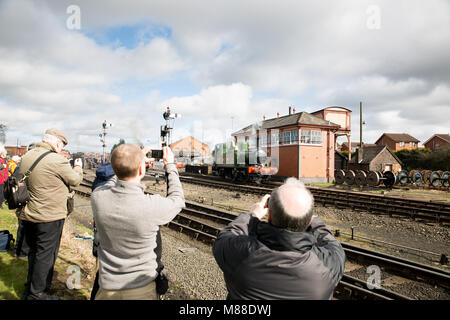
<point x="212" y="217"/>
<point x="198" y="225"/>
<point x="188" y="230"/>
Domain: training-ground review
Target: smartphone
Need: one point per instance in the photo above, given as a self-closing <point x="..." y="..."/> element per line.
<point x="157" y="154"/>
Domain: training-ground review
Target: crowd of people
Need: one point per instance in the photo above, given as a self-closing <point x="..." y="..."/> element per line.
<point x="291" y="256"/>
<point x="7" y="167"/>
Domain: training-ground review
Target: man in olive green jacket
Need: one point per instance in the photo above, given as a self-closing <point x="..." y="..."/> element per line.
<point x="44" y="215"/>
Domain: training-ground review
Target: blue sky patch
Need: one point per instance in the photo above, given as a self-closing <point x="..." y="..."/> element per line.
<point x="129" y="36"/>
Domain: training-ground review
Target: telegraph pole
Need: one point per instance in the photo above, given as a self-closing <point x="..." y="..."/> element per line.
<point x="360" y="152"/>
<point x="360" y="123"/>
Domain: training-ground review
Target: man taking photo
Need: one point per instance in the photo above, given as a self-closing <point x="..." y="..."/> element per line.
<point x="128" y="221"/>
<point x="292" y="256"/>
<point x="43" y="216"/>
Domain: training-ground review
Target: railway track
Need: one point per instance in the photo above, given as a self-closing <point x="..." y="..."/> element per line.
<point x="427" y="211"/>
<point x="204" y="223"/>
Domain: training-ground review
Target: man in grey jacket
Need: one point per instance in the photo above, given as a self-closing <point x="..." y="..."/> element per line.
<point x="127" y="223"/>
<point x="292" y="256"/>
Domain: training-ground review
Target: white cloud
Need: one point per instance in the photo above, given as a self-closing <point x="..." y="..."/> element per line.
<point x="215" y="101"/>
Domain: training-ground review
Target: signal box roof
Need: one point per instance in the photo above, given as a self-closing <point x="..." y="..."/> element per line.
<point x="301" y="118"/>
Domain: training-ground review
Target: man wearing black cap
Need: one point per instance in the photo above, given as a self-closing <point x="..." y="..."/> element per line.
<point x="44" y="215"/>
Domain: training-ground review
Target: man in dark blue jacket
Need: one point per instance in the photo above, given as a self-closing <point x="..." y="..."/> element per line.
<point x="102" y="175"/>
<point x="292" y="256"/>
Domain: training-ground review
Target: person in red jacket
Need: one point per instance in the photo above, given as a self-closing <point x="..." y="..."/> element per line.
<point x="3" y="173"/>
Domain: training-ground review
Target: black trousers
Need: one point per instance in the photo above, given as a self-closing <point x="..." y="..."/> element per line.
<point x="22" y="248"/>
<point x="43" y="240"/>
<point x="1" y="195"/>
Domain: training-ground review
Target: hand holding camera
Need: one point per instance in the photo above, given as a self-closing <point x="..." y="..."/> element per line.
<point x="168" y="156"/>
<point x="260" y="209"/>
<point x="78" y="162"/>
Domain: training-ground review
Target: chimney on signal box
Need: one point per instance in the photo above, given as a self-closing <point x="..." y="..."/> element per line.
<point x="264" y="117"/>
<point x="293" y="110"/>
<point x="278" y="114"/>
<point x="290" y="110"/>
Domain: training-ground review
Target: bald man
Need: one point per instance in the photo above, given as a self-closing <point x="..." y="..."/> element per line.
<point x="128" y="221"/>
<point x="292" y="256"/>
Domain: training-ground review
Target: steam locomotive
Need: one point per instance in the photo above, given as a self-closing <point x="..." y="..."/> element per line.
<point x="241" y="163"/>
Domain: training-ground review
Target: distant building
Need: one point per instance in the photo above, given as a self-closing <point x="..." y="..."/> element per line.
<point x="16" y="151"/>
<point x="376" y="158"/>
<point x="305" y="143"/>
<point x="438" y="142"/>
<point x="340" y="161"/>
<point x="355" y="145"/>
<point x="191" y="148"/>
<point x="398" y="141"/>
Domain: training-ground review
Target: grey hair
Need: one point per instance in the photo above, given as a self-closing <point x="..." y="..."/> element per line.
<point x="51" y="139"/>
<point x="281" y="218"/>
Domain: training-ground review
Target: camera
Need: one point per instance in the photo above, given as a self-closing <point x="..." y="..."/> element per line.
<point x="157" y="154"/>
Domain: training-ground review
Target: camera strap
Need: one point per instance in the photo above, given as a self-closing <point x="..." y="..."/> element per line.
<point x="28" y="172"/>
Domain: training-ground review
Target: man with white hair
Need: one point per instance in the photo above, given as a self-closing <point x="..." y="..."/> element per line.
<point x="44" y="215"/>
<point x="292" y="256"/>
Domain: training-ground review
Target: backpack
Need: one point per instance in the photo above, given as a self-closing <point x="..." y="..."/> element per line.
<point x="5" y="240"/>
<point x="15" y="189"/>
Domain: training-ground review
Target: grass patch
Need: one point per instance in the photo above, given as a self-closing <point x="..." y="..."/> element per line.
<point x="82" y="229"/>
<point x="322" y="184"/>
<point x="13" y="271"/>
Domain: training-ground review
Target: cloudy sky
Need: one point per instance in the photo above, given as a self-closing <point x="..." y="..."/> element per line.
<point x="221" y="64"/>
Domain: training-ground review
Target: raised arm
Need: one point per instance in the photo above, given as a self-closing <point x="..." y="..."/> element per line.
<point x="328" y="249"/>
<point x="70" y="176"/>
<point x="164" y="209"/>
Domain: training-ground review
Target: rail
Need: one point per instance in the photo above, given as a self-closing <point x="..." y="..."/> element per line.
<point x="377" y="204"/>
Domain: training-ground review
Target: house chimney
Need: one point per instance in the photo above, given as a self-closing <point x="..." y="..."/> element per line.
<point x="290" y="110"/>
<point x="278" y="114"/>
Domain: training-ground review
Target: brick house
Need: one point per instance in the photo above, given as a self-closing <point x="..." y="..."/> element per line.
<point x="190" y="147"/>
<point x="438" y="142"/>
<point x="355" y="145"/>
<point x="376" y="158"/>
<point x="300" y="144"/>
<point x="16" y="151"/>
<point x="398" y="141"/>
